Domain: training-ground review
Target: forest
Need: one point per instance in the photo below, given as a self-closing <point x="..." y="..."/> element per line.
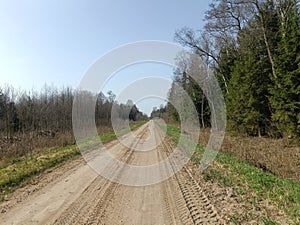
<point x="30" y="120"/>
<point x="253" y="48"/>
<point x="250" y="48"/>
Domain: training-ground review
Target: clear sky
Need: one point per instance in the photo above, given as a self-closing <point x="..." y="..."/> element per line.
<point x="55" y="41"/>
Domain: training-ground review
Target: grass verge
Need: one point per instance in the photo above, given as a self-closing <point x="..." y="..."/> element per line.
<point x="228" y="170"/>
<point x="22" y="169"/>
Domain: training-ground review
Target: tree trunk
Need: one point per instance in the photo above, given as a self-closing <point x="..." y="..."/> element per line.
<point x="202" y="108"/>
<point x="263" y="27"/>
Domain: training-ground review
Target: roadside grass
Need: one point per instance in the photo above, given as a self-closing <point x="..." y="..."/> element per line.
<point x="112" y="135"/>
<point x="21" y="170"/>
<point x="228" y="170"/>
<point x="280" y="157"/>
<point x="24" y="168"/>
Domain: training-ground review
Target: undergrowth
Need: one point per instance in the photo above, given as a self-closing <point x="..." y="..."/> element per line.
<point x="21" y="170"/>
<point x="228" y="170"/>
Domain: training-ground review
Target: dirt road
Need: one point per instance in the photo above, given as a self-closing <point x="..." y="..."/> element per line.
<point x="80" y="196"/>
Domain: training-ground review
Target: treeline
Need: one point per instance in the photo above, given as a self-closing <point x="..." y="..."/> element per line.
<point x="253" y="47"/>
<point x="159" y="112"/>
<point x="39" y="119"/>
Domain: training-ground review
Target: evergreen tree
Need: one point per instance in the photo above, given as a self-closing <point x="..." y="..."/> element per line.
<point x="247" y="101"/>
<point x="285" y="97"/>
<point x="226" y="62"/>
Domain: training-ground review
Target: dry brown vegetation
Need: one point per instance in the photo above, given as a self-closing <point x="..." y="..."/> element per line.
<point x="33" y="122"/>
<point x="27" y="146"/>
<point x="280" y="157"/>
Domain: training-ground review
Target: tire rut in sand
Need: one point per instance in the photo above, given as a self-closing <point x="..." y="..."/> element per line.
<point x="184" y="202"/>
<point x="96" y="216"/>
<point x="200" y="208"/>
<point x="91" y="205"/>
<point x="175" y="205"/>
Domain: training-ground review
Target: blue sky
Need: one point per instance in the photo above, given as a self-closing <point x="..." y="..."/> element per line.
<point x="55" y="41"/>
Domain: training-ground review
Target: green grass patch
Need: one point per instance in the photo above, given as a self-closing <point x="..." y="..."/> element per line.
<point x="235" y="172"/>
<point x="21" y="170"/>
<point x="112" y="136"/>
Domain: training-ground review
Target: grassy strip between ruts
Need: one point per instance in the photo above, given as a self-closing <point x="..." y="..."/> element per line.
<point x="231" y="171"/>
<point x="21" y="170"/>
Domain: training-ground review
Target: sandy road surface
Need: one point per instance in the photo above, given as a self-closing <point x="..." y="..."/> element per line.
<point x="83" y="197"/>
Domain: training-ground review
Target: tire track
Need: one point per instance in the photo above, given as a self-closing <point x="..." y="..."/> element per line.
<point x="200" y="208"/>
<point x="170" y="188"/>
<point x="82" y="197"/>
<point x="189" y="205"/>
<point x="90" y="206"/>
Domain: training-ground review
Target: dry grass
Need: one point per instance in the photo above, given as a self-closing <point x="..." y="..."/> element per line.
<point x="278" y="156"/>
<point x="263" y="197"/>
<point x="28" y="144"/>
<point x="17" y="170"/>
<point x="25" y="144"/>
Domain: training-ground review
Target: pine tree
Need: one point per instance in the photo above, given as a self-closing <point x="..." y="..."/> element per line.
<point x="247" y="101"/>
<point x="285" y="97"/>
